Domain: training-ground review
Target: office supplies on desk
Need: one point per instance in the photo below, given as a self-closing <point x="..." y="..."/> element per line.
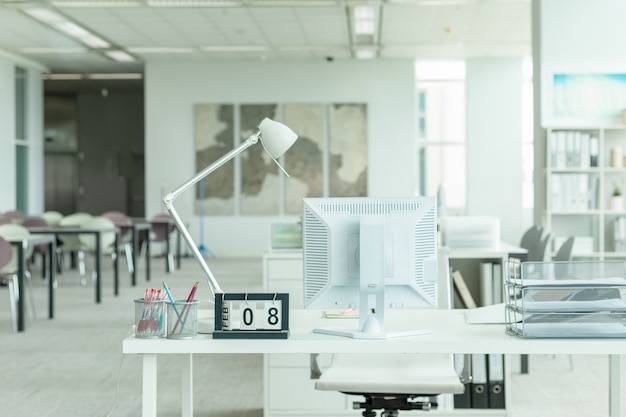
<point x="182" y="317"/>
<point x="251" y="316"/>
<point x="493" y="314"/>
<point x="150" y="315"/>
<point x="169" y="297"/>
<point x="566" y="299"/>
<point x="495" y="380"/>
<point x="186" y="325"/>
<point x="480" y="393"/>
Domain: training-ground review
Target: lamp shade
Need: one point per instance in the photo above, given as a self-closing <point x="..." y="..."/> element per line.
<point x="276" y="137"/>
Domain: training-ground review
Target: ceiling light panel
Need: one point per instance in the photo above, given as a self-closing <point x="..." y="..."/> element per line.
<point x="96" y="3"/>
<point x="18" y="30"/>
<point x="323" y="25"/>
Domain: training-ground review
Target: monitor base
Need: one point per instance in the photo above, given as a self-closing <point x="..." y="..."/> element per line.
<point x="357" y="334"/>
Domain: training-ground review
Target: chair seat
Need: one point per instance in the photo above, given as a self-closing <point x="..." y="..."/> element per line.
<point x="427" y="374"/>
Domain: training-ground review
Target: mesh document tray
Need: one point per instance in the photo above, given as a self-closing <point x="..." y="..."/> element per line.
<point x="566" y="299"/>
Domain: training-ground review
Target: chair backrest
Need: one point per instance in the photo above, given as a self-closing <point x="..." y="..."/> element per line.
<point x="72" y="242"/>
<point x="34" y="221"/>
<point x="119" y="219"/>
<point x="11" y="232"/>
<point x="531" y="241"/>
<point x="15" y="216"/>
<point x="6" y="253"/>
<point x="162" y="231"/>
<point x="565" y="251"/>
<point x="542" y="253"/>
<point x="107" y="239"/>
<point x="52" y="217"/>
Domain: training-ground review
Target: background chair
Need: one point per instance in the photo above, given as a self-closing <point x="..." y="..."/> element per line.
<point x="88" y="240"/>
<point x="52" y="217"/>
<point x="397" y="382"/>
<point x="11" y="232"/>
<point x="41" y="250"/>
<point x="13" y="216"/>
<point x="564" y="253"/>
<point x="9" y="277"/>
<point x="122" y="221"/>
<point x="160" y="233"/>
<point x="536" y="241"/>
<point x="70" y="243"/>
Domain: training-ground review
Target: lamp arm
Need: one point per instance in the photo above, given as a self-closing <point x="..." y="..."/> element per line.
<point x="169" y="204"/>
<point x="252" y="139"/>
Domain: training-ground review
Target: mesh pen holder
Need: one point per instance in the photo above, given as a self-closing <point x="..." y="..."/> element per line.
<point x="149" y="318"/>
<point x="182" y="320"/>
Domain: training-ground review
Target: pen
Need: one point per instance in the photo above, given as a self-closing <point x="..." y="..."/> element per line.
<point x="185" y="312"/>
<point x="169" y="296"/>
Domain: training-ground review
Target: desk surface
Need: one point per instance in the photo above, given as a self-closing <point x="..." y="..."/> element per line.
<point x="451" y="334"/>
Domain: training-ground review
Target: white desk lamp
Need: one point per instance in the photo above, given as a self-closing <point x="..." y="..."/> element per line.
<point x="276" y="139"/>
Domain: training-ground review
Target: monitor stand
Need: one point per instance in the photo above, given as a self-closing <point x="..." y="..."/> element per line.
<point x="373" y="248"/>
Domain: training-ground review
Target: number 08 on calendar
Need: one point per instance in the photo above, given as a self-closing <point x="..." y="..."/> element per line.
<point x="251" y="316"/>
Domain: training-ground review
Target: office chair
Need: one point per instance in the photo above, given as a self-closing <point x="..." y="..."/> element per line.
<point x="9" y="277"/>
<point x="124" y="222"/>
<point x="88" y="241"/>
<point x="395" y="382"/>
<point x="531" y="241"/>
<point x="9" y="271"/>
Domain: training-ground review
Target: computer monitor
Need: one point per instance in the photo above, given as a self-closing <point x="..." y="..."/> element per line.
<point x="371" y="254"/>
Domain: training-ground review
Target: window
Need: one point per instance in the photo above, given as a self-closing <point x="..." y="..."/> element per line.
<point x="441" y="130"/>
<point x="528" y="180"/>
<point x="21" y="144"/>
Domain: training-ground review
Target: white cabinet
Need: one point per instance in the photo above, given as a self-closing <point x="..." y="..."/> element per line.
<point x="585" y="165"/>
<point x="289" y="389"/>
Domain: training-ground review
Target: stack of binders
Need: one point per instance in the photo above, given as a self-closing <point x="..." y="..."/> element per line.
<point x="485" y="387"/>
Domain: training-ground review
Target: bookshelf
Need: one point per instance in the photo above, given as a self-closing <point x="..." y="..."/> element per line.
<point x="584" y="166"/>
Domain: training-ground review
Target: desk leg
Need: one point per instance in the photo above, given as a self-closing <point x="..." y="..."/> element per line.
<point x="133" y="256"/>
<point x="178" y="249"/>
<point x="149" y="402"/>
<point x="98" y="271"/>
<point x="21" y="273"/>
<point x="116" y="270"/>
<point x="147" y="255"/>
<point x="187" y="387"/>
<point x="614" y="385"/>
<point x="51" y="278"/>
<point x="168" y="265"/>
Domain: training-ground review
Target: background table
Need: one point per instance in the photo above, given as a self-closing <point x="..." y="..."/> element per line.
<point x="57" y="230"/>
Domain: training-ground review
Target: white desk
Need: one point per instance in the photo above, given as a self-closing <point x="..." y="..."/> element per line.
<point x="451" y="335"/>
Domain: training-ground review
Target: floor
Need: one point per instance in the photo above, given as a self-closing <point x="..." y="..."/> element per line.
<point x="72" y="366"/>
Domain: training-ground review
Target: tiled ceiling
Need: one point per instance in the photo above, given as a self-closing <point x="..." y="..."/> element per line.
<point x="262" y="30"/>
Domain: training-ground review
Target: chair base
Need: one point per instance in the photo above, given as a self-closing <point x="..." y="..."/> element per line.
<point x="391" y="404"/>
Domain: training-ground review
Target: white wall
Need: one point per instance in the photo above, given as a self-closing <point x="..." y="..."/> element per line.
<point x="494" y="142"/>
<point x="578" y="36"/>
<point x="172" y="89"/>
